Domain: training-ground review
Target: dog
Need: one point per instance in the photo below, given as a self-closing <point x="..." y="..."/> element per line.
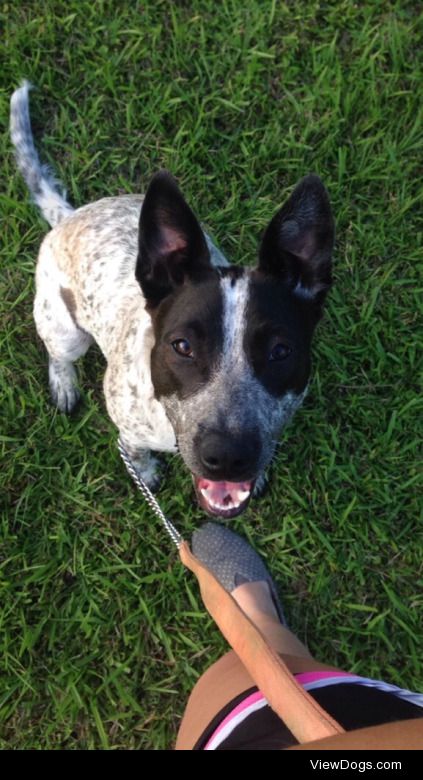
<point x="203" y="357"/>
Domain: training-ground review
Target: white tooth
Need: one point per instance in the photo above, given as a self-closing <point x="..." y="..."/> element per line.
<point x="243" y="494"/>
<point x="203" y="491"/>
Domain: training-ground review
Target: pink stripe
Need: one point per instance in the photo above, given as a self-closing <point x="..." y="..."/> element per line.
<point x="308" y="677"/>
<point x="252" y="699"/>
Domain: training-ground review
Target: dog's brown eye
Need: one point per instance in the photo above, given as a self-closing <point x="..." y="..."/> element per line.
<point x="183" y="347"/>
<point x="279" y="352"/>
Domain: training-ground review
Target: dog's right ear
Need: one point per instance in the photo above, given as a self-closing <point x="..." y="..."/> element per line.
<point x="172" y="247"/>
<point x="297" y="244"/>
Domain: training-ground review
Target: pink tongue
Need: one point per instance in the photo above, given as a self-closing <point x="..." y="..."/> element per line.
<point x="225" y="493"/>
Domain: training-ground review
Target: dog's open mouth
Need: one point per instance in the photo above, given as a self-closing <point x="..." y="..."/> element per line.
<point x="224" y="499"/>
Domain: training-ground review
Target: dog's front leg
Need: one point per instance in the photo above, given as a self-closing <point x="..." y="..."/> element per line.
<point x="140" y="419"/>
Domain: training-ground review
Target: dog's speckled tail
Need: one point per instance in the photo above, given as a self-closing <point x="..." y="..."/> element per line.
<point x="47" y="192"/>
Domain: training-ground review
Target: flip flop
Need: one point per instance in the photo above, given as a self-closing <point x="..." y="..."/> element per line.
<point x="232" y="561"/>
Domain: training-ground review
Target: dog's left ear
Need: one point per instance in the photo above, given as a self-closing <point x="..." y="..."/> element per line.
<point x="172" y="246"/>
<point x="298" y="242"/>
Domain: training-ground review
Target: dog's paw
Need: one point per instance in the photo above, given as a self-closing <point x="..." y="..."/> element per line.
<point x="148" y="468"/>
<point x="63" y="389"/>
<point x="151" y="474"/>
<point x="260" y="488"/>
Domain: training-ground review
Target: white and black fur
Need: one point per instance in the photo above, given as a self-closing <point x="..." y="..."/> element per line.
<point x="203" y="357"/>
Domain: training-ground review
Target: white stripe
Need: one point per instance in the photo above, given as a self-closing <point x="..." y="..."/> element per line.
<point x="235" y="298"/>
<point x="380" y="685"/>
<point x="234" y="722"/>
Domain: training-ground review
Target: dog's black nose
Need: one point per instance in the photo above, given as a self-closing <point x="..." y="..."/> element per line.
<point x="227" y="457"/>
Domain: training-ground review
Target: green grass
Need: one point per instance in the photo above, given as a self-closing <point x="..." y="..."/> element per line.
<point x="102" y="634"/>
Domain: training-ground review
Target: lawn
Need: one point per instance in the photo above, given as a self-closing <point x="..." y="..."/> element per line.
<point x="102" y="634"/>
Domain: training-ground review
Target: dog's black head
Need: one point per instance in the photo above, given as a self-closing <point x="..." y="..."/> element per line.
<point x="231" y="359"/>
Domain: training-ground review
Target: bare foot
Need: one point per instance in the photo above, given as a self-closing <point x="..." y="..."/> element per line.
<point x="255" y="599"/>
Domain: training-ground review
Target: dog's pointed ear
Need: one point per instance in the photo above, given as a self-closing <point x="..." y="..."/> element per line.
<point x="297" y="244"/>
<point x="172" y="247"/>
